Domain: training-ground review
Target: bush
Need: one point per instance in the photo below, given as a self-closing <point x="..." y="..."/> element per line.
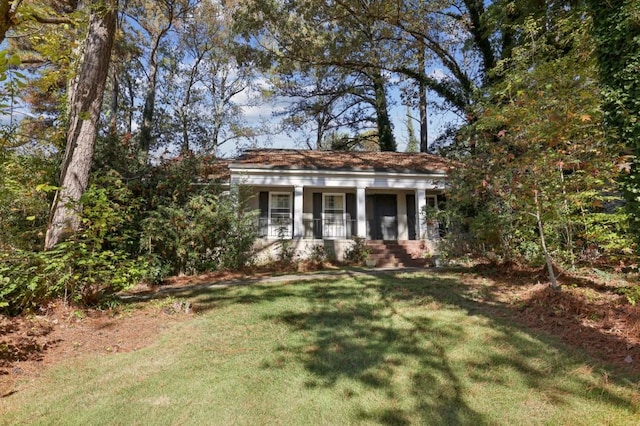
<point x="24" y="200"/>
<point x="73" y="270"/>
<point x="357" y="254"/>
<point x="318" y="255"/>
<point x="210" y="232"/>
<point x="94" y="264"/>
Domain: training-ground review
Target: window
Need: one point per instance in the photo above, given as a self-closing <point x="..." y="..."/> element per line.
<point x="333" y="211"/>
<point x="280" y="214"/>
<point x="334" y="208"/>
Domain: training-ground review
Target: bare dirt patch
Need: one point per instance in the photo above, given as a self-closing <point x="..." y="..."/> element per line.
<point x="60" y="332"/>
<point x="32" y="342"/>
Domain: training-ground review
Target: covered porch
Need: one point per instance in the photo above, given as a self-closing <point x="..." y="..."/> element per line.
<point x="343" y="213"/>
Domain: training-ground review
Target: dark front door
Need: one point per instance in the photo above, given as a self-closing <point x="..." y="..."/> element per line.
<point x="411" y="216"/>
<point x="385" y="217"/>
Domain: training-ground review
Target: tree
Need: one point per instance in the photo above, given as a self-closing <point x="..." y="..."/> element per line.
<point x="412" y="144"/>
<point x="540" y="180"/>
<point x="7" y="13"/>
<point x="154" y="20"/>
<point x="617" y="33"/>
<point x="318" y="37"/>
<point x="463" y="40"/>
<point x="85" y="101"/>
<point x="228" y="85"/>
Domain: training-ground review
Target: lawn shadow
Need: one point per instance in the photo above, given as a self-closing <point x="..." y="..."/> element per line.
<point x="582" y="313"/>
<point x="536" y="356"/>
<point x="365" y="334"/>
<point x="352" y="333"/>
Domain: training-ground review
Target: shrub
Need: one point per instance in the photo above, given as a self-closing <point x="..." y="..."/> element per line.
<point x="210" y="232"/>
<point x="87" y="268"/>
<point x="357" y="254"/>
<point x="73" y="269"/>
<point x="318" y="255"/>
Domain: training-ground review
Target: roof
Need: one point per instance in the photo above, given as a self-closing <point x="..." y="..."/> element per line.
<point x="296" y="159"/>
<point x="217" y="170"/>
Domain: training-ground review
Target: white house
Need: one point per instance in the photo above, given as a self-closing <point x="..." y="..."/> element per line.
<point x="329" y="197"/>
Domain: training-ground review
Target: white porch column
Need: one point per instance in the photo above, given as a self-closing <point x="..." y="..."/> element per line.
<point x="298" y="222"/>
<point x="421" y="202"/>
<point x="361" y="213"/>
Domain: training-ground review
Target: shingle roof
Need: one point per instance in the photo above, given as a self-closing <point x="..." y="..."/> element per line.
<point x="217" y="169"/>
<point x="342" y="160"/>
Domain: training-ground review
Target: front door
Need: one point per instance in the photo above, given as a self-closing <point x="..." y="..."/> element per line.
<point x="385" y="217"/>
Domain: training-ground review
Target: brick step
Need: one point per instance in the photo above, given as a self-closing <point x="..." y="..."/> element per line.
<point x="397" y="253"/>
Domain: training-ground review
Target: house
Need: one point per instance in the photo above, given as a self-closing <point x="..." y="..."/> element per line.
<point x="330" y="197"/>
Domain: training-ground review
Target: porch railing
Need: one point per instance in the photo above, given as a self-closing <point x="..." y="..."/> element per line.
<point x="275" y="228"/>
<point x="338" y="228"/>
<point x="312" y="228"/>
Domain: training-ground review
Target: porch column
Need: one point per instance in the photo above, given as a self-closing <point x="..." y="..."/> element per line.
<point x="421" y="202"/>
<point x="361" y="213"/>
<point x="298" y="223"/>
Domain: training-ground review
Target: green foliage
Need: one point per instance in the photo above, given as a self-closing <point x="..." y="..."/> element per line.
<point x="24" y="199"/>
<point x="209" y="232"/>
<point x="631" y="293"/>
<point x="318" y="254"/>
<point x="74" y="270"/>
<point x="358" y="253"/>
<point x="287" y="251"/>
<point x="110" y="214"/>
<point x="413" y="145"/>
<point x="173" y="181"/>
<point x="86" y="269"/>
<point x="616" y="30"/>
<point x="12" y="84"/>
<point x="537" y="147"/>
<point x="179" y="226"/>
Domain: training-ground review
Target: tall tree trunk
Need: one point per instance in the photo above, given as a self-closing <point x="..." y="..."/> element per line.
<point x="150" y="97"/>
<point x="131" y="91"/>
<point x="385" y="131"/>
<point x="115" y="104"/>
<point x="149" y="108"/>
<point x="85" y="100"/>
<point x="543" y="243"/>
<point x="424" y="145"/>
<point x="319" y="131"/>
<point x="7" y="12"/>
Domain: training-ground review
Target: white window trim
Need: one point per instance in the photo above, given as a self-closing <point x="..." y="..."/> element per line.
<point x="344" y="212"/>
<point x="334" y="194"/>
<point x="271" y="226"/>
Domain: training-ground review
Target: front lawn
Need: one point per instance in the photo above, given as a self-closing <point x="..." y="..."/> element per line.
<point x="368" y="349"/>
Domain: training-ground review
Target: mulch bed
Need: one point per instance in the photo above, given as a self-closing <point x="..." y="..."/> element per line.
<point x="586" y="312"/>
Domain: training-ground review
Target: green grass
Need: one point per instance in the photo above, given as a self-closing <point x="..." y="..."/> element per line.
<point x="408" y="349"/>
